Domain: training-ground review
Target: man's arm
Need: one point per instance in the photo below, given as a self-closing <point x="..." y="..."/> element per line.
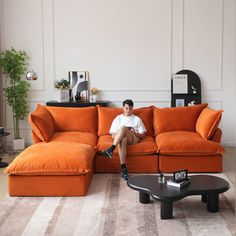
<point x="139" y="135"/>
<point x="141" y="129"/>
<point x="113" y="130"/>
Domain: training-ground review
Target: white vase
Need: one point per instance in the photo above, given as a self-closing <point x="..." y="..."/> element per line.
<point x="63" y="95"/>
<point x="93" y="98"/>
<point x="18" y="144"/>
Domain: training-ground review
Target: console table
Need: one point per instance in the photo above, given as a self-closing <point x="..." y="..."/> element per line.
<point x="77" y="104"/>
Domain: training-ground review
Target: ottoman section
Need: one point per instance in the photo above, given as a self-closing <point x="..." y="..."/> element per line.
<point x="51" y="169"/>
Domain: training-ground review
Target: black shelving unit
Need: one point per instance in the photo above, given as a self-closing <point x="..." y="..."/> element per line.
<point x="194" y="89"/>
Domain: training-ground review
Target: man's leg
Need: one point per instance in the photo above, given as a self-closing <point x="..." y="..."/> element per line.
<point x="122" y="154"/>
<point x="117" y="139"/>
<point x="122" y="150"/>
<point x="120" y="135"/>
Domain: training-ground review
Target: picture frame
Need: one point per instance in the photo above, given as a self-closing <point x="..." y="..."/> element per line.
<point x="180" y="102"/>
<point x="78" y="85"/>
<point x="180" y="83"/>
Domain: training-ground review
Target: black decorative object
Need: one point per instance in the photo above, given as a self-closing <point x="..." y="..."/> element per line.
<point x="77" y="97"/>
<point x="70" y="95"/>
<point x="180" y="175"/>
<point x="193" y="94"/>
<point x="161" y="178"/>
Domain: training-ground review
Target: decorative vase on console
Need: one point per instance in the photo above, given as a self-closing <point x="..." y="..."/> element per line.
<point x="93" y="95"/>
<point x="62" y="87"/>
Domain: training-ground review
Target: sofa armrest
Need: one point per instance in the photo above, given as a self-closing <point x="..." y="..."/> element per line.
<point x="217" y="136"/>
<point x="35" y="138"/>
<point x="42" y="123"/>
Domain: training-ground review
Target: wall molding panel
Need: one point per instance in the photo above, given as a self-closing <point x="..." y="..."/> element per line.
<point x="198" y="38"/>
<point x="105" y="56"/>
<point x="130" y="48"/>
<point x="21" y="29"/>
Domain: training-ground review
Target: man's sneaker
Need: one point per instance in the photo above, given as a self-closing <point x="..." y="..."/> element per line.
<point x="124" y="174"/>
<point x="107" y="153"/>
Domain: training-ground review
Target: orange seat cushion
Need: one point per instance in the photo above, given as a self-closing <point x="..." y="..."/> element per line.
<point x="77" y="137"/>
<point x="176" y="118"/>
<point x="53" y="158"/>
<point x="106" y="115"/>
<point x="145" y="147"/>
<point x="82" y="119"/>
<point x="184" y="142"/>
<point x="208" y="122"/>
<point x="42" y="123"/>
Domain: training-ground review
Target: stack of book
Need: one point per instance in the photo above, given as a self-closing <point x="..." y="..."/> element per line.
<point x="178" y="184"/>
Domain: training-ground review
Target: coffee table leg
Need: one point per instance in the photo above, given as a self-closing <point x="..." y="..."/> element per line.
<point x="213" y="202"/>
<point x="204" y="198"/>
<point x="166" y="210"/>
<point x="144" y="198"/>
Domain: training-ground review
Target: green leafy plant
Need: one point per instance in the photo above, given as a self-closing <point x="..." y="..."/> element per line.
<point x="13" y="64"/>
<point x="62" y="84"/>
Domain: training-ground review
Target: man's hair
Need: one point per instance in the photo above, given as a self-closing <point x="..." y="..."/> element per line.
<point x="128" y="102"/>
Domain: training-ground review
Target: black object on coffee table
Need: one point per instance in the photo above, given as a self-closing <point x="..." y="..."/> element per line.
<point x="208" y="186"/>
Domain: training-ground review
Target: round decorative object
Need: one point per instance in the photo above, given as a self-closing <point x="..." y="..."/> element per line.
<point x="77" y="97"/>
<point x="31" y="75"/>
<point x="93" y="98"/>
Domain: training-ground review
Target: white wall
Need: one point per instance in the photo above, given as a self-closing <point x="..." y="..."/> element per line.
<point x="129" y="47"/>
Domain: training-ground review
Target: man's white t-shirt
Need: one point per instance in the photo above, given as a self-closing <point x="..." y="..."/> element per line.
<point x="128" y="121"/>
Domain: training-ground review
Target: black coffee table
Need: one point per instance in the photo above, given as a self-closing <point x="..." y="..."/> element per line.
<point x="209" y="187"/>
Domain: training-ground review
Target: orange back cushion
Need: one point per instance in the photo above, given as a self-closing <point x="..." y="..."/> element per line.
<point x="208" y="122"/>
<point x="106" y="115"/>
<point x="176" y="118"/>
<point x="82" y="119"/>
<point x="146" y="114"/>
<point x="42" y="123"/>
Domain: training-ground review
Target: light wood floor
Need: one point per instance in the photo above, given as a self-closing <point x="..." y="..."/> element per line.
<point x="229" y="168"/>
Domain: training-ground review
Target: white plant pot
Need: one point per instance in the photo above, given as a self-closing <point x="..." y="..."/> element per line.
<point x="62" y="95"/>
<point x="18" y="144"/>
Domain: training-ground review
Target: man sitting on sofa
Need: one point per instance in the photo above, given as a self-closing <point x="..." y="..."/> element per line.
<point x="126" y="129"/>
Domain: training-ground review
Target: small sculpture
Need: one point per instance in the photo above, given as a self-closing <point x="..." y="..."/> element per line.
<point x="77" y="97"/>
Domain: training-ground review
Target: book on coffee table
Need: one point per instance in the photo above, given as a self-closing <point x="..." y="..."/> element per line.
<point x="180" y="184"/>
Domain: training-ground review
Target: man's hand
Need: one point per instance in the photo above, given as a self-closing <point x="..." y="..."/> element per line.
<point x="137" y="134"/>
<point x="143" y="135"/>
<point x="132" y="130"/>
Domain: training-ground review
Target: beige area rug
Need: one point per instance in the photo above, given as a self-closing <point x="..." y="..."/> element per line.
<point x="112" y="208"/>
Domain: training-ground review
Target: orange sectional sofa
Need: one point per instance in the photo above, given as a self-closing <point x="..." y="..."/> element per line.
<point x="68" y="143"/>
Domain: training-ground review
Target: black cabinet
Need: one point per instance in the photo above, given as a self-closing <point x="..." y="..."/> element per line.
<point x="77" y="104"/>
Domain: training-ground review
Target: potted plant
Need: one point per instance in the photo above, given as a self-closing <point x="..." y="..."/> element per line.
<point x="62" y="87"/>
<point x="13" y="64"/>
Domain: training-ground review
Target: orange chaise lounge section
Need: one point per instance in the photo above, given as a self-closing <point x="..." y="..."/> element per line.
<point x="68" y="143"/>
<point x="60" y="162"/>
